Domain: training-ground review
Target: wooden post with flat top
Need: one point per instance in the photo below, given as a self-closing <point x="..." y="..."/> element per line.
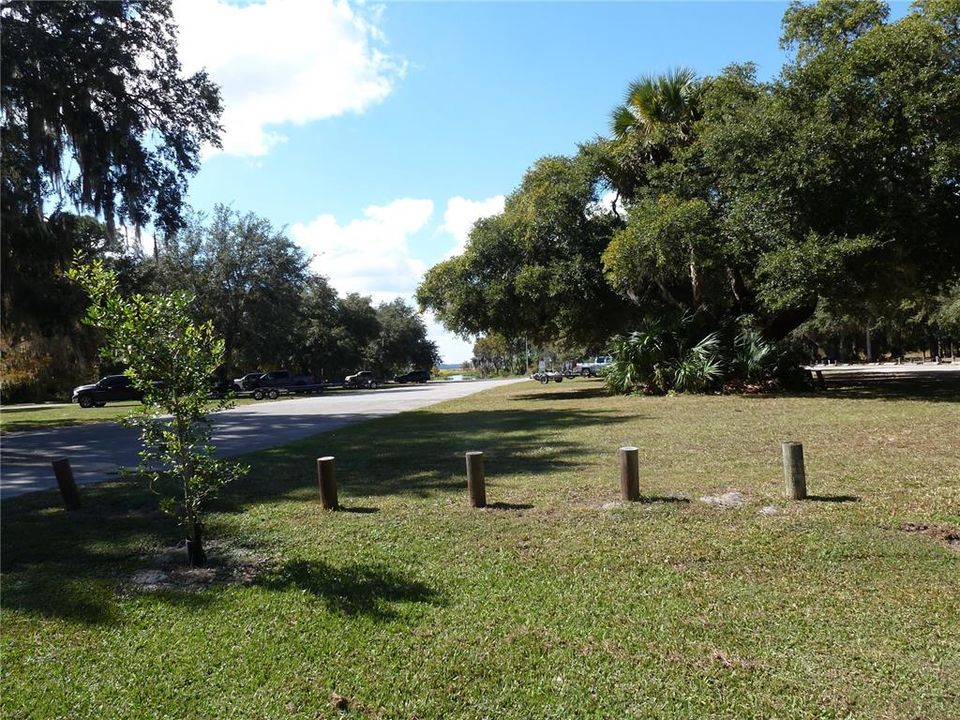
<point x="629" y="474"/>
<point x="66" y="483"/>
<point x="794" y="473"/>
<point x="328" y="483"/>
<point x="476" y="482"/>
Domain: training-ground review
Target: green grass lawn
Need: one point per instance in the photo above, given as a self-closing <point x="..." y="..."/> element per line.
<point x="40" y="418"/>
<point x="15" y="419"/>
<point x="551" y="603"/>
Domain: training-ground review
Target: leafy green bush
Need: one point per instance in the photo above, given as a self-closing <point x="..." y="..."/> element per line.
<point x="660" y="358"/>
<point x="753" y="357"/>
<point x="171" y="359"/>
<point x="700" y="368"/>
<point x="638" y="360"/>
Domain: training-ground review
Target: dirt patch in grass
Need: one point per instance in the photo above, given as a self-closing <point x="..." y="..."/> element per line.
<point x="715" y="657"/>
<point x="732" y="499"/>
<point x="225" y="565"/>
<point x="946" y="535"/>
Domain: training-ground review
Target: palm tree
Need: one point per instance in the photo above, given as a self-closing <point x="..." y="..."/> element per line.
<point x="657" y="117"/>
<point x="659" y="112"/>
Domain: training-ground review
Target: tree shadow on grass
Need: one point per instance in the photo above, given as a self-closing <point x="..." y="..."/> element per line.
<point x="421" y="453"/>
<point x="936" y="386"/>
<point x="508" y="506"/>
<point x="368" y="590"/>
<point x="75" y="566"/>
<point x="56" y="592"/>
<point x="12" y="425"/>
<point x="929" y="386"/>
<point x="650" y="499"/>
<point x="591" y="392"/>
<point x="833" y="498"/>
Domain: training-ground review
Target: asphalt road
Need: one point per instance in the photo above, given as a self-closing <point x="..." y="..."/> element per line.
<point x="97" y="451"/>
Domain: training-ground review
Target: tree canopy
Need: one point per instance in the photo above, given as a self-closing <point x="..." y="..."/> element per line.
<point x="247" y="277"/>
<point x="835" y="185"/>
<point x="534" y="271"/>
<point x="98" y="86"/>
<point x="97" y="118"/>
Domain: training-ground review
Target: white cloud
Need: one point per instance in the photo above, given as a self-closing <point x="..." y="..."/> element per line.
<point x="461" y="214"/>
<point x="371" y="255"/>
<point x="454" y="350"/>
<point x="284" y="61"/>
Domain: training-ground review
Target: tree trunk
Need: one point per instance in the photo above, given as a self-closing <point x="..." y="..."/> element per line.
<point x="195" y="554"/>
<point x="696" y="285"/>
<point x="744" y="300"/>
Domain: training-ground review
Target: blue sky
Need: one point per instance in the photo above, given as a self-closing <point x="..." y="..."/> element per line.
<point x="378" y="134"/>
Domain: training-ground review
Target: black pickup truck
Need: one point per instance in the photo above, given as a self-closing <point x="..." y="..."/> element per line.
<point x="112" y="388"/>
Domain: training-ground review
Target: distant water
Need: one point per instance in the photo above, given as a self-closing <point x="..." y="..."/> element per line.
<point x="450" y="366"/>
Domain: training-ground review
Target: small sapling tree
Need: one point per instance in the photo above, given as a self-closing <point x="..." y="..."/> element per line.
<point x="171" y="359"/>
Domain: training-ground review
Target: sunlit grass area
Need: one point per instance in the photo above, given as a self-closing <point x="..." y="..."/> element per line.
<point x="554" y="602"/>
<point x="15" y="419"/>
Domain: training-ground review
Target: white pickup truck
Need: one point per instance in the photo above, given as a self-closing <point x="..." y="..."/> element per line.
<point x="591" y="366"/>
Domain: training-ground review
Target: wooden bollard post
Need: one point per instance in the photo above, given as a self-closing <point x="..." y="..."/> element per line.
<point x="476" y="482"/>
<point x="328" y="483"/>
<point x="66" y="483"/>
<point x="794" y="473"/>
<point x="629" y="474"/>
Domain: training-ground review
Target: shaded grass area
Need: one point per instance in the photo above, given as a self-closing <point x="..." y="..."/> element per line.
<point x="555" y="602"/>
<point x="879" y="385"/>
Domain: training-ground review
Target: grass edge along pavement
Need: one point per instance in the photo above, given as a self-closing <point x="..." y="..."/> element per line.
<point x="14" y="418"/>
<point x="555" y="601"/>
<point x="25" y="419"/>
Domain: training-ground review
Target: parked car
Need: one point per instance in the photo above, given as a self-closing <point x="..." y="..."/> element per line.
<point x="415" y="376"/>
<point x="362" y="379"/>
<point x="112" y="388"/>
<point x="591" y="366"/>
<point x="248" y="381"/>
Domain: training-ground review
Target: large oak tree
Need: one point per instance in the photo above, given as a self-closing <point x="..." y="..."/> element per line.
<point x="98" y="117"/>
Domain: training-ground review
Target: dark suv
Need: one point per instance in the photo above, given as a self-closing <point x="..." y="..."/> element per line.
<point x="415" y="376"/>
<point x="362" y="379"/>
<point x="112" y="388"/>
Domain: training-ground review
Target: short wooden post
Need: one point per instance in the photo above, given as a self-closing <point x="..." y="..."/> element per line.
<point x="328" y="483"/>
<point x="66" y="483"/>
<point x="476" y="482"/>
<point x="794" y="473"/>
<point x="629" y="474"/>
